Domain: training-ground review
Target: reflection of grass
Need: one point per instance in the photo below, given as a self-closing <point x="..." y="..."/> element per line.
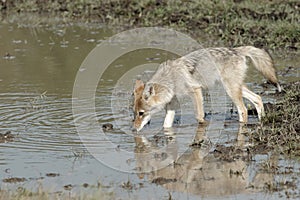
<point x="23" y="194"/>
<point x="79" y="153"/>
<point x="260" y="23"/>
<point x="36" y="103"/>
<point x="281" y="125"/>
<point x="42" y="194"/>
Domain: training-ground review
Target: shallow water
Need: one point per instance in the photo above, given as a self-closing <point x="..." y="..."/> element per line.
<point x="38" y="70"/>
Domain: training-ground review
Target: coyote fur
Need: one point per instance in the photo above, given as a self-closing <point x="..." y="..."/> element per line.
<point x="186" y="74"/>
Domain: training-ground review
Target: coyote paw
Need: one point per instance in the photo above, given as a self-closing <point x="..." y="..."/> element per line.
<point x="202" y="121"/>
<point x="244" y="122"/>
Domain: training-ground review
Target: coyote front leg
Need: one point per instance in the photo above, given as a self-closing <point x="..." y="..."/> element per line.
<point x="170" y="112"/>
<point x="198" y="102"/>
<point x="169" y="119"/>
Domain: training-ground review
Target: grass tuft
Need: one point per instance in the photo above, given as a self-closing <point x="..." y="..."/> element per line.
<point x="280" y="127"/>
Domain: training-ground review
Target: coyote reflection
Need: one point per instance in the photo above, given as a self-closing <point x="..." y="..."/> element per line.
<point x="199" y="171"/>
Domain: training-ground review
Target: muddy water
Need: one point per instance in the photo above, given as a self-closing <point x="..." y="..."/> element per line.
<point x="38" y="69"/>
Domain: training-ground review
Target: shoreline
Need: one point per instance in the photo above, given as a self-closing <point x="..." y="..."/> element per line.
<point x="264" y="24"/>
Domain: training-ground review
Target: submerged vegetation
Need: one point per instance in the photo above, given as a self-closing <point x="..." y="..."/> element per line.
<point x="271" y="24"/>
<point x="43" y="194"/>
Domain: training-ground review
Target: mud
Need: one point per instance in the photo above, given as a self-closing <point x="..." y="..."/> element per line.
<point x="6" y="137"/>
<point x="14" y="180"/>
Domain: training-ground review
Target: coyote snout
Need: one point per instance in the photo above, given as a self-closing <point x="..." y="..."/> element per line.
<point x="184" y="76"/>
<point x="141" y="113"/>
<point x="147" y="100"/>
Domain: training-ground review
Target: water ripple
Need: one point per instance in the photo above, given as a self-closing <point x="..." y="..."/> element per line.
<point x="40" y="123"/>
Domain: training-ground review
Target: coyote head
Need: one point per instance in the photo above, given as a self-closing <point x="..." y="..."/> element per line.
<point x="149" y="98"/>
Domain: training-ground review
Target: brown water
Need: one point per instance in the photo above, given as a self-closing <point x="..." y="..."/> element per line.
<point x="38" y="69"/>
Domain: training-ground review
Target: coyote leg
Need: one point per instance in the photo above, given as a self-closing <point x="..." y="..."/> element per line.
<point x="243" y="114"/>
<point x="169" y="119"/>
<point x="254" y="99"/>
<point x="170" y="112"/>
<point x="237" y="98"/>
<point x="198" y="101"/>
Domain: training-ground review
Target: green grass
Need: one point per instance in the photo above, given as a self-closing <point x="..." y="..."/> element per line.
<point x="271" y="24"/>
<point x="279" y="131"/>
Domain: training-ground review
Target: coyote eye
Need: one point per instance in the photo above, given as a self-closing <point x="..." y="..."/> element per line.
<point x="141" y="113"/>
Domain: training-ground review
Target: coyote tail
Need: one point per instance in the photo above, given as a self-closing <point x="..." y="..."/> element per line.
<point x="262" y="61"/>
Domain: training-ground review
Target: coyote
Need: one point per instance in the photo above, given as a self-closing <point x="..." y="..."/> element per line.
<point x="186" y="74"/>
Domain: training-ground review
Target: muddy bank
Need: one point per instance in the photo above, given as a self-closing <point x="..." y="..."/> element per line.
<point x="270" y="24"/>
<point x="280" y="127"/>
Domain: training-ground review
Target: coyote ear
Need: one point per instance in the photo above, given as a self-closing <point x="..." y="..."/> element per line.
<point x="169" y="62"/>
<point x="149" y="91"/>
<point x="138" y="85"/>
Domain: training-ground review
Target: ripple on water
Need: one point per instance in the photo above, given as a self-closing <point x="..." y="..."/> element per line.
<point x="41" y="123"/>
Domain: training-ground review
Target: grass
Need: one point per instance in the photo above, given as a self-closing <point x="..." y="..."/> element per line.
<point x="279" y="131"/>
<point x="271" y="24"/>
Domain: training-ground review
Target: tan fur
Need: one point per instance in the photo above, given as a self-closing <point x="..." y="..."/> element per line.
<point x="195" y="71"/>
<point x="262" y="62"/>
<point x="138" y="102"/>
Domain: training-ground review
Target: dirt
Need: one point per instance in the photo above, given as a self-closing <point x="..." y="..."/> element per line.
<point x="231" y="153"/>
<point x="14" y="180"/>
<point x="6" y="137"/>
<point x="52" y="174"/>
<point x="162" y="180"/>
<point x="107" y="127"/>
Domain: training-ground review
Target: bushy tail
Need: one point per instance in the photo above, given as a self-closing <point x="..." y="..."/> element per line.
<point x="262" y="62"/>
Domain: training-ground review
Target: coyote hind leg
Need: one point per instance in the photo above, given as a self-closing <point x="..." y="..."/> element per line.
<point x="242" y="111"/>
<point x="235" y="94"/>
<point x="255" y="100"/>
<point x="198" y="102"/>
